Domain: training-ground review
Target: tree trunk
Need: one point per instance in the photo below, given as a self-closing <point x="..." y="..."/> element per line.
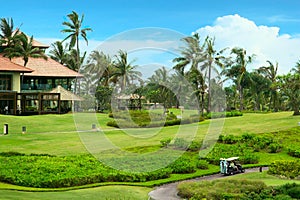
<point x="209" y="87"/>
<point x="241" y="97"/>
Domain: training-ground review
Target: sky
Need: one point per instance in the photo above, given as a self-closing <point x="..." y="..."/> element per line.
<point x="151" y="30"/>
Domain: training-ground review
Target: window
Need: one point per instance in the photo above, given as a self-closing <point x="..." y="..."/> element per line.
<point x="5" y="81"/>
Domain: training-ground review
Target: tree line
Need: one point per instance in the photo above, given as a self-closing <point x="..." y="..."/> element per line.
<point x="205" y="68"/>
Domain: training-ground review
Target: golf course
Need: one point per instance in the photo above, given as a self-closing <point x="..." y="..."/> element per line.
<point x="51" y="159"/>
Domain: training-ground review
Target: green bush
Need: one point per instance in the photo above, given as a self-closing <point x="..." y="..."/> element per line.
<point x="195" y="146"/>
<point x="294" y="151"/>
<point x="287" y="168"/>
<point x="219" y="189"/>
<point x="226" y="150"/>
<point x="165" y="142"/>
<point x="183" y="165"/>
<point x="44" y="171"/>
<point x="228" y="139"/>
<point x="202" y="164"/>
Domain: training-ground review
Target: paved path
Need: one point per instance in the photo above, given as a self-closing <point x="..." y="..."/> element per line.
<point x="169" y="191"/>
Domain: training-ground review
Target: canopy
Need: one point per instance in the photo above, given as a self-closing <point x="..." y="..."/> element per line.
<point x="66" y="95"/>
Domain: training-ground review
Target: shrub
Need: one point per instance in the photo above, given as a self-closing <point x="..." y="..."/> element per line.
<point x="180" y="143"/>
<point x="274" y="147"/>
<point x="294" y="151"/>
<point x="219" y="189"/>
<point x="165" y="142"/>
<point x="289" y="169"/>
<point x="195" y="146"/>
<point x="202" y="164"/>
<point x="183" y="165"/>
<point x="228" y="139"/>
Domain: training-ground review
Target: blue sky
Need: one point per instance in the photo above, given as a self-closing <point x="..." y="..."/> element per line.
<point x="279" y="18"/>
<point x="44" y="18"/>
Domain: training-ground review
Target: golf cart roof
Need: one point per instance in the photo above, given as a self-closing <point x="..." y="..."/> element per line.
<point x="230" y="159"/>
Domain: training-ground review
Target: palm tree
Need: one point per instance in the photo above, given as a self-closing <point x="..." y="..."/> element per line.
<point x="270" y="72"/>
<point x="212" y="58"/>
<point x="192" y="54"/>
<point x="7" y="32"/>
<point x="59" y="52"/>
<point x="99" y="65"/>
<point x="296" y="69"/>
<point x="237" y="70"/>
<point x="197" y="80"/>
<point x="290" y="87"/>
<point x="75" y="30"/>
<point x="124" y="70"/>
<point x="23" y="48"/>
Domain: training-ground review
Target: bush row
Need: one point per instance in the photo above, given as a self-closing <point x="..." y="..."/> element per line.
<point x="237" y="189"/>
<point x="286" y="168"/>
<point x="44" y="171"/>
<point x="214" y="115"/>
<point x="257" y="143"/>
<point x="225" y="151"/>
<point x="120" y="123"/>
<point x="219" y="189"/>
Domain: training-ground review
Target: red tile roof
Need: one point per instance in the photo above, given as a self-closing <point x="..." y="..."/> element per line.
<point x="7" y="66"/>
<point x="47" y="68"/>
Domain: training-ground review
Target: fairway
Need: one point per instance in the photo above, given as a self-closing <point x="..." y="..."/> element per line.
<point x="101" y="193"/>
<point x="57" y="135"/>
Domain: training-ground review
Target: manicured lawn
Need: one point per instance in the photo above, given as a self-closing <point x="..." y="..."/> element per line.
<point x="101" y="193"/>
<point x="57" y="135"/>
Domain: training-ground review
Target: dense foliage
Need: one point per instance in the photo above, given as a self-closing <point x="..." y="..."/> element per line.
<point x="144" y="118"/>
<point x="286" y="168"/>
<point x="46" y="171"/>
<point x="237" y="189"/>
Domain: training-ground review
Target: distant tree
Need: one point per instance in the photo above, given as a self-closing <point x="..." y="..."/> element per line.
<point x="236" y="70"/>
<point x="211" y="60"/>
<point x="270" y="72"/>
<point x="124" y="71"/>
<point x="290" y="87"/>
<point x="296" y="69"/>
<point x="192" y="54"/>
<point x="59" y="52"/>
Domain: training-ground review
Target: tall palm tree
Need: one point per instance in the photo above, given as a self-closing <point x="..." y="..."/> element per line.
<point x="124" y="71"/>
<point x="211" y="60"/>
<point x="270" y="72"/>
<point x="75" y="30"/>
<point x="237" y="68"/>
<point x="197" y="80"/>
<point x="23" y="48"/>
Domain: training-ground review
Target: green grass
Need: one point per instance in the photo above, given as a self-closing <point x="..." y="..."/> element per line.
<point x="56" y="134"/>
<point x="101" y="193"/>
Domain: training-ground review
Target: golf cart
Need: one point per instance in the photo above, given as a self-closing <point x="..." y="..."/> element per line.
<point x="230" y="166"/>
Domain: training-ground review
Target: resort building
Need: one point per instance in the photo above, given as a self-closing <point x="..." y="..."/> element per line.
<point x="36" y="88"/>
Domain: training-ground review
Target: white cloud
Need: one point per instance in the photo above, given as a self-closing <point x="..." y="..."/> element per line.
<point x="263" y="41"/>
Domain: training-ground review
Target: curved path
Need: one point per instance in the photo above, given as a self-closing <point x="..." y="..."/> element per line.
<point x="169" y="191"/>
